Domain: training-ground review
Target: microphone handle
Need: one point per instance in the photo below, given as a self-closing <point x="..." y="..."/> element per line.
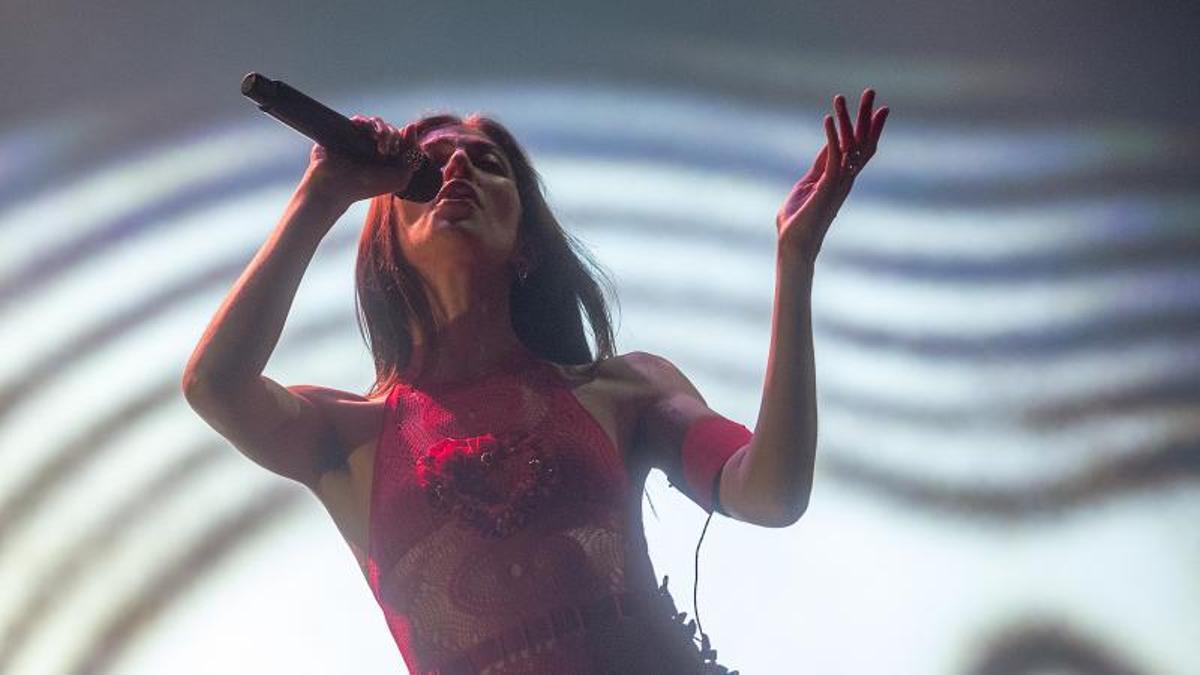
<point x="335" y="131"/>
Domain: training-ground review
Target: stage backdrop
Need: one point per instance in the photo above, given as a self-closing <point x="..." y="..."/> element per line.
<point x="1006" y="314"/>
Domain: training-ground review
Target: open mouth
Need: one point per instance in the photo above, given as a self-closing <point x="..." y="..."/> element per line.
<point x="454" y="203"/>
<point x="458" y="191"/>
<point x="455" y="208"/>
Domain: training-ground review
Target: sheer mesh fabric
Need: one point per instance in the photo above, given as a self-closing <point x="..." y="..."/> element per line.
<point x="505" y="534"/>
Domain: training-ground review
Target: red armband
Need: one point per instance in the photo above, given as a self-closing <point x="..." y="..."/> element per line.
<point x="707" y="445"/>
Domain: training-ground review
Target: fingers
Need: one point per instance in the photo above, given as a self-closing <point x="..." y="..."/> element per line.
<point x="408" y="133"/>
<point x="862" y="129"/>
<point x="818" y="166"/>
<point x="859" y="140"/>
<point x="847" y="148"/>
<point x="397" y="146"/>
<point x="362" y="122"/>
<point x="847" y="130"/>
<point x="877" y="125"/>
<point x="389" y="140"/>
<point x="833" y="156"/>
<point x="409" y="137"/>
<point x="380" y="128"/>
<point x="395" y="140"/>
<point x="369" y="124"/>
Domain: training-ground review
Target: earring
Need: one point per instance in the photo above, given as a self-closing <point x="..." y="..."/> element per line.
<point x="522" y="274"/>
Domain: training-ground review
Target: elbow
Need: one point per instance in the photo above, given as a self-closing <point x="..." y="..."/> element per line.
<point x="793" y="503"/>
<point x="785" y="513"/>
<point x="773" y="514"/>
<point x="785" y="517"/>
<point x="197" y="386"/>
<point x="189" y="384"/>
<point x="193" y="376"/>
<point x="774" y="504"/>
<point x="193" y="383"/>
<point x="200" y="381"/>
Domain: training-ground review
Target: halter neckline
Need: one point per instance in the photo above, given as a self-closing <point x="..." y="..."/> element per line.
<point x="515" y="359"/>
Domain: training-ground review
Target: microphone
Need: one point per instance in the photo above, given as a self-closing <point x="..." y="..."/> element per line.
<point x="336" y="132"/>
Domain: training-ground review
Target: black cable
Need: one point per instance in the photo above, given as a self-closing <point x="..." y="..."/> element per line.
<point x="696" y="576"/>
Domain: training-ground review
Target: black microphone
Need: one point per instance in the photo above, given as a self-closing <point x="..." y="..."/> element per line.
<point x="336" y="132"/>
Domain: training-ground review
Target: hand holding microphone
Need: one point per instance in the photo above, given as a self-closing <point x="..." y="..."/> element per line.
<point x="353" y="158"/>
<point x="344" y="178"/>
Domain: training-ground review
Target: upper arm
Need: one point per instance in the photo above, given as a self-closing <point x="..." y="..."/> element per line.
<point x="685" y="438"/>
<point x="287" y="430"/>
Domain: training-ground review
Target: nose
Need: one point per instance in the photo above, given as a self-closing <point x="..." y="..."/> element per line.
<point x="458" y="165"/>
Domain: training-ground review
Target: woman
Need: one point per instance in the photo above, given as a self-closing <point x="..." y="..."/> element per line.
<point x="489" y="482"/>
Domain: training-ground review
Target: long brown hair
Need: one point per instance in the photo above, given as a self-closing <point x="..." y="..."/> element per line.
<point x="392" y="299"/>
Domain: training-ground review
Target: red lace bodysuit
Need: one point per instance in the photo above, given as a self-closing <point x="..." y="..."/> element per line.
<point x="506" y="535"/>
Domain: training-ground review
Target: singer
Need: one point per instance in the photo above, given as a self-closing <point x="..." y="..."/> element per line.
<point x="490" y="480"/>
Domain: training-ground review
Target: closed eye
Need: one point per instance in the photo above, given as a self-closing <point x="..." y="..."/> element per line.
<point x="490" y="161"/>
<point x="434" y="150"/>
<point x="496" y="166"/>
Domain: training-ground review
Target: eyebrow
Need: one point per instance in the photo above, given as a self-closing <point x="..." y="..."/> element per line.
<point x="478" y="144"/>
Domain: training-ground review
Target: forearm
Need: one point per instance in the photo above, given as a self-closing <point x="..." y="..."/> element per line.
<point x="778" y="465"/>
<point x="245" y="329"/>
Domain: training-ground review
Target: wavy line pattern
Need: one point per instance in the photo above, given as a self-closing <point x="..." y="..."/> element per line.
<point x="1007" y="327"/>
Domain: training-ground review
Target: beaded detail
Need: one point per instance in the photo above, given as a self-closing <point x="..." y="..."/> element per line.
<point x="496" y="503"/>
<point x="481" y="480"/>
<point x="708" y="654"/>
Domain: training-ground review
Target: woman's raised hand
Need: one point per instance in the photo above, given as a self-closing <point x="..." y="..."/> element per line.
<point x="335" y="176"/>
<point x="814" y="201"/>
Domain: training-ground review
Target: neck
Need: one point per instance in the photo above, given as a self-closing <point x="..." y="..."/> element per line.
<point x="474" y="332"/>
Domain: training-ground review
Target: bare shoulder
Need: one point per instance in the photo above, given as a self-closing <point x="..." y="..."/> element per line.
<point x="634" y="379"/>
<point x="628" y="370"/>
<point x="655" y="375"/>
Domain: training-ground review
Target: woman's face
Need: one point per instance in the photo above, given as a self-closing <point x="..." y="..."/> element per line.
<point x="474" y="218"/>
